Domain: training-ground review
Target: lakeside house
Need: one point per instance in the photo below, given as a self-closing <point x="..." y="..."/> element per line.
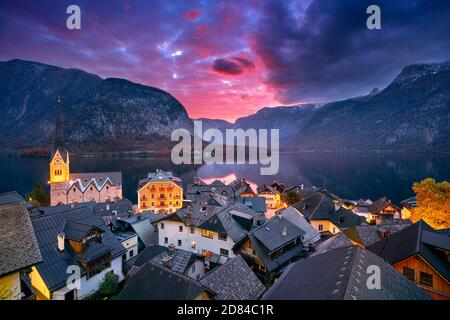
<point x="340" y="274"/>
<point x="407" y="206"/>
<point x="383" y="209"/>
<point x="325" y="212"/>
<point x="75" y="240"/>
<point x="272" y="193"/>
<point x="422" y="255"/>
<point x="19" y="251"/>
<point x="210" y="226"/>
<point x="160" y="192"/>
<point x="276" y="243"/>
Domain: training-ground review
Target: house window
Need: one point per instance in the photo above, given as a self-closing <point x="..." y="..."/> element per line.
<point x="426" y="279"/>
<point x="224" y="252"/>
<point x="153" y="204"/>
<point x="162" y="225"/>
<point x="193" y="245"/>
<point x="207" y="254"/>
<point x="179" y="243"/>
<point x="409" y="273"/>
<point x="131" y="253"/>
<point x="166" y="240"/>
<point x="222" y="236"/>
<point x="207" y="233"/>
<point x="192" y="230"/>
<point x="152" y="196"/>
<point x="320" y="227"/>
<point x="180" y="228"/>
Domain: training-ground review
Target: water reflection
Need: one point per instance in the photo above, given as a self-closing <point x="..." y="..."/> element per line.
<point x="349" y="175"/>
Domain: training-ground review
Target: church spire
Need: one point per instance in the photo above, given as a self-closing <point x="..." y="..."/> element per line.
<point x="59" y="132"/>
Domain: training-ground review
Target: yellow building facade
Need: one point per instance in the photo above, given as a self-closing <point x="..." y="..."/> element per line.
<point x="160" y="192"/>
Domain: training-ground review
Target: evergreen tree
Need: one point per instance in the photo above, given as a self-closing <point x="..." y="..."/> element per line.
<point x="38" y="197"/>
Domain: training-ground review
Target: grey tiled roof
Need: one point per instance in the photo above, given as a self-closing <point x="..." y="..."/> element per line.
<point x="75" y="230"/>
<point x="321" y="206"/>
<point x="341" y="274"/>
<point x="295" y="217"/>
<point x="142" y="225"/>
<point x="270" y="234"/>
<point x="418" y="238"/>
<point x="369" y="234"/>
<point x="55" y="263"/>
<point x="337" y="241"/>
<point x="256" y="203"/>
<point x="13" y="197"/>
<point x="155" y="282"/>
<point x="234" y="281"/>
<point x="18" y="245"/>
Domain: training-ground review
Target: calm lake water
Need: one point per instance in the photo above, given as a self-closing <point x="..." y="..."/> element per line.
<point x="351" y="176"/>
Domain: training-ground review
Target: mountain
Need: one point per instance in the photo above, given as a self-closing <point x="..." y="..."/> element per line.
<point x="288" y="119"/>
<point x="411" y="113"/>
<point x="99" y="115"/>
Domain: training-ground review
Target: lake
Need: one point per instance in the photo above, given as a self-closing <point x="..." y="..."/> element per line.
<point x="349" y="175"/>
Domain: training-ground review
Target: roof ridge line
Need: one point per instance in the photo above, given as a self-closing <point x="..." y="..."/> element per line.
<point x="351" y="269"/>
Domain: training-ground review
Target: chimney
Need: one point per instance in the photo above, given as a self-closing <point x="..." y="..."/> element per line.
<point x="384" y="233"/>
<point x="61" y="237"/>
<point x="284" y="232"/>
<point x="72" y="206"/>
<point x="167" y="261"/>
<point x="171" y="247"/>
<point x="108" y="207"/>
<point x="302" y="186"/>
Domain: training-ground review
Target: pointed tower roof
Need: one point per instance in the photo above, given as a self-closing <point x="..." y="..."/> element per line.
<point x="59" y="143"/>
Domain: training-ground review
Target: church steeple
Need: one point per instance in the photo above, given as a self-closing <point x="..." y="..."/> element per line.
<point x="59" y="164"/>
<point x="59" y="131"/>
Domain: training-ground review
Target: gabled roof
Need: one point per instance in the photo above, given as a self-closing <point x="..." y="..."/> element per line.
<point x="234" y="280"/>
<point x="324" y="205"/>
<point x="379" y="205"/>
<point x="369" y="234"/>
<point x="76" y="231"/>
<point x="340" y="274"/>
<point x="269" y="237"/>
<point x="13" y="197"/>
<point x="97" y="180"/>
<point x="155" y="282"/>
<point x="18" y="246"/>
<point x="271" y="233"/>
<point x="142" y="225"/>
<point x="55" y="263"/>
<point x="417" y="239"/>
<point x="295" y="217"/>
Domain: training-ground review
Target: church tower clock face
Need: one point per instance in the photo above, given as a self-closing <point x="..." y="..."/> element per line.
<point x="58" y="161"/>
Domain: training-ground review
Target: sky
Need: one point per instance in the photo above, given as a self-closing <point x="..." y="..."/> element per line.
<point x="227" y="59"/>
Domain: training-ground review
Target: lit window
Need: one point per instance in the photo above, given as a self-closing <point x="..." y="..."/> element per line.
<point x="207" y="233"/>
<point x="193" y="245"/>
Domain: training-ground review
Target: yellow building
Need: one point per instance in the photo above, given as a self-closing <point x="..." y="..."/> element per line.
<point x="160" y="192"/>
<point x="19" y="251"/>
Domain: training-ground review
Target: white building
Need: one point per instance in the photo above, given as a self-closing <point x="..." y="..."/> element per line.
<point x="210" y="227"/>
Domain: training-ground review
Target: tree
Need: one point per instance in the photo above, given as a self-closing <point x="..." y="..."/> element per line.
<point x="38" y="197"/>
<point x="292" y="197"/>
<point x="433" y="203"/>
<point x="110" y="285"/>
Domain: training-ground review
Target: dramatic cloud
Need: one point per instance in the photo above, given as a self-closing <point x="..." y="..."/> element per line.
<point x="326" y="52"/>
<point x="228" y="59"/>
<point x="233" y="66"/>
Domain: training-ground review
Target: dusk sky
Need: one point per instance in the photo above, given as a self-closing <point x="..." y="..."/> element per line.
<point x="229" y="59"/>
